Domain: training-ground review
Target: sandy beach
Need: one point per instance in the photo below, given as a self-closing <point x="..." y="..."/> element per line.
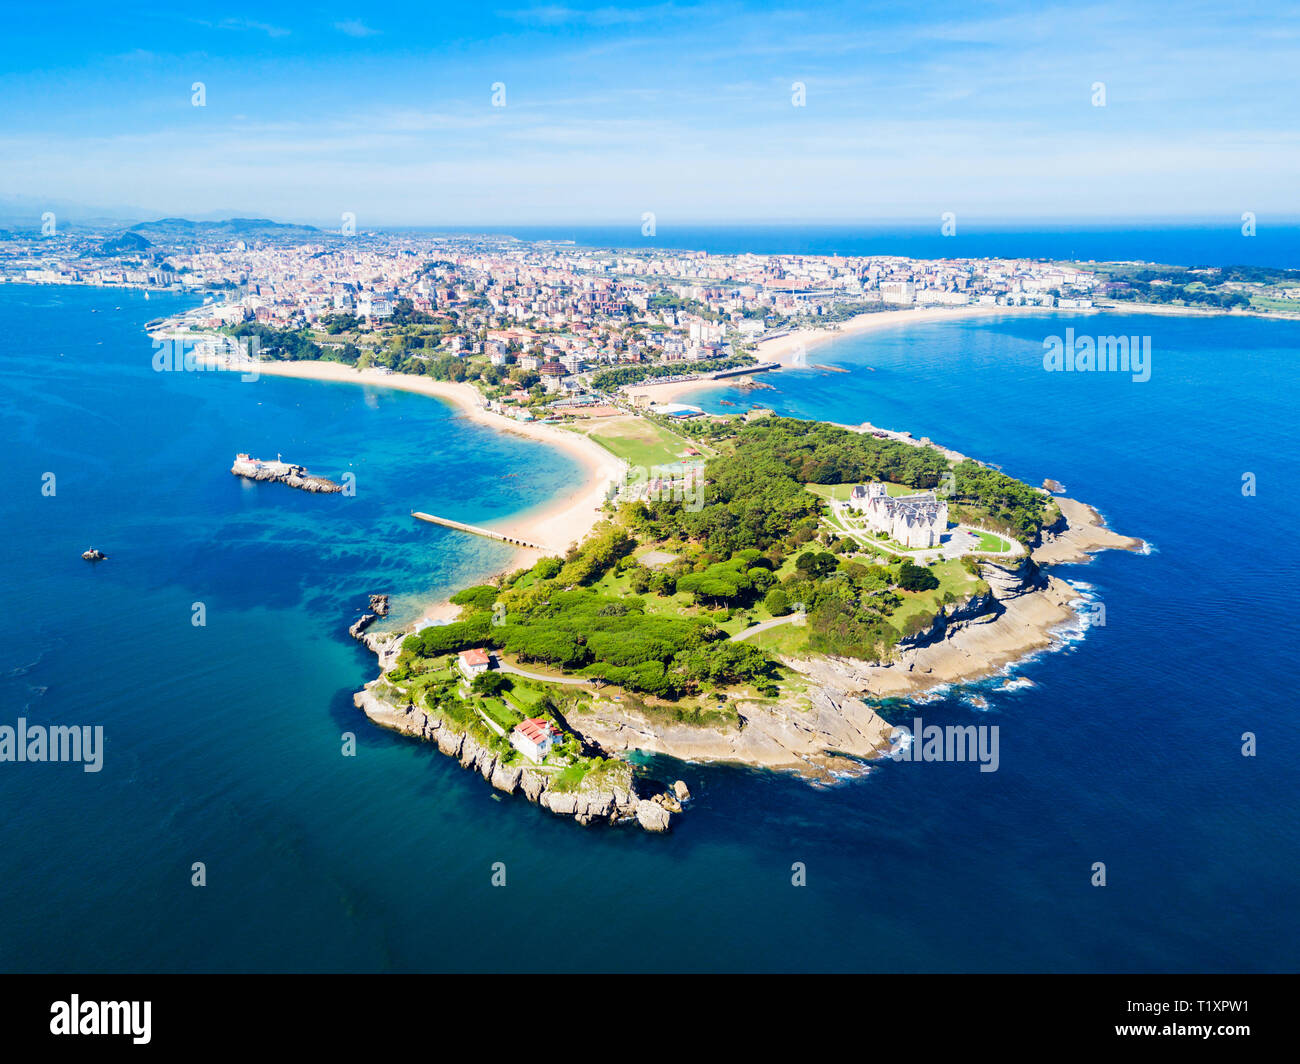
<point x="793" y="348"/>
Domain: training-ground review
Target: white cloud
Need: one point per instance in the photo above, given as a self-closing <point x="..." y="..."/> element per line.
<point x="354" y="27"/>
<point x="249" y="25"/>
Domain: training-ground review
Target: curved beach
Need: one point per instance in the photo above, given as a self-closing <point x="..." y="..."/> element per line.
<point x="559" y="523"/>
<point x="787" y="348"/>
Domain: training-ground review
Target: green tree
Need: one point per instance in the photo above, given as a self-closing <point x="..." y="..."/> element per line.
<point x="777" y="602"/>
<point x="913" y="577"/>
<point x="491" y="683"/>
<point x="816" y="564"/>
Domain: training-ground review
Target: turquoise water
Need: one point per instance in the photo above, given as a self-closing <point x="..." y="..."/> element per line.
<point x="223" y="743"/>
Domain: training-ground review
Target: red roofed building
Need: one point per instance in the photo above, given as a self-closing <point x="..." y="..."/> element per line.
<point x="534" y="738"/>
<point x="473" y="662"/>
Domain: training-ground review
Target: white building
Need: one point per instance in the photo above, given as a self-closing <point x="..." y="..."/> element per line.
<point x="916" y="520"/>
<point x="534" y="738"/>
<point x="898" y="291"/>
<point x="473" y="662"/>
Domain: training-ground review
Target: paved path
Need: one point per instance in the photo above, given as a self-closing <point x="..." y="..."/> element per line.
<point x="568" y="681"/>
<point x="960" y="541"/>
<point x="763" y="626"/>
<point x="490" y="722"/>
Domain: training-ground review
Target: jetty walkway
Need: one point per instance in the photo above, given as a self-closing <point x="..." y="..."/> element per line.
<point x="475" y="530"/>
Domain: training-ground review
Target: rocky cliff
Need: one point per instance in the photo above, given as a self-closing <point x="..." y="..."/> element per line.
<point x="1076" y="534"/>
<point x="614" y="798"/>
<point x="1005" y="583"/>
<point x="829" y="729"/>
<point x="1017" y="615"/>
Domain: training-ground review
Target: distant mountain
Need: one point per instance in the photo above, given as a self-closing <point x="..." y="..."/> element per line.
<point x="24" y="213"/>
<point x="126" y="244"/>
<point x="173" y="229"/>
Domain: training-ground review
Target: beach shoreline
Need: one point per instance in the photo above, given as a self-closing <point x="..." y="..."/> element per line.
<point x="1024" y="630"/>
<point x="790" y="349"/>
<point x="558" y="523"/>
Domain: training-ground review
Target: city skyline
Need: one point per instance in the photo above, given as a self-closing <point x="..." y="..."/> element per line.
<point x="719" y="113"/>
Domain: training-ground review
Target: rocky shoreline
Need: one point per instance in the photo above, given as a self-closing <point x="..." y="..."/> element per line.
<point x="1022" y="612"/>
<point x="378" y="608"/>
<point x="615" y="799"/>
<point x="833" y="730"/>
<point x="1077" y="534"/>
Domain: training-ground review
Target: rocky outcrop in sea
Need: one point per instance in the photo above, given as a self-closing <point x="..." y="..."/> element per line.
<point x="295" y="476"/>
<point x="378" y="608"/>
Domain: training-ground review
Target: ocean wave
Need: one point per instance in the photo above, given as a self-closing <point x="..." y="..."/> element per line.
<point x="839" y="777"/>
<point x="934" y="694"/>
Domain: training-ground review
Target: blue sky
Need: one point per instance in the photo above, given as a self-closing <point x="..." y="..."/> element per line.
<point x="685" y="110"/>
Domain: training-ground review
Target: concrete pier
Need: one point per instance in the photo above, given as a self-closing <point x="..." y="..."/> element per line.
<point x="475" y="530"/>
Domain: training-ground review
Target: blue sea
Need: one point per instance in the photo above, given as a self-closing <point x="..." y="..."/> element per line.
<point x="1208" y="242"/>
<point x="224" y="743"/>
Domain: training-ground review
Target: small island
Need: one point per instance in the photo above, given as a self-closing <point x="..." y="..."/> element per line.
<point x="295" y="476"/>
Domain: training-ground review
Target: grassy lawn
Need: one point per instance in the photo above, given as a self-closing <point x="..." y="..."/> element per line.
<point x="526" y="694"/>
<point x="742" y="619"/>
<point x="990" y="542"/>
<point x="784" y="639"/>
<point x="501" y="713"/>
<point x="841" y="491"/>
<point x="1282" y="306"/>
<point x="416" y="686"/>
<point x="952" y="577"/>
<point x="619" y="584"/>
<point x="571" y="778"/>
<point x="788" y="566"/>
<point x="831" y="491"/>
<point x="637" y="441"/>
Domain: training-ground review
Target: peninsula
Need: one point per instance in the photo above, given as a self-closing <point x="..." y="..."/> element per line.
<point x="743" y="587"/>
<point x="756" y="622"/>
